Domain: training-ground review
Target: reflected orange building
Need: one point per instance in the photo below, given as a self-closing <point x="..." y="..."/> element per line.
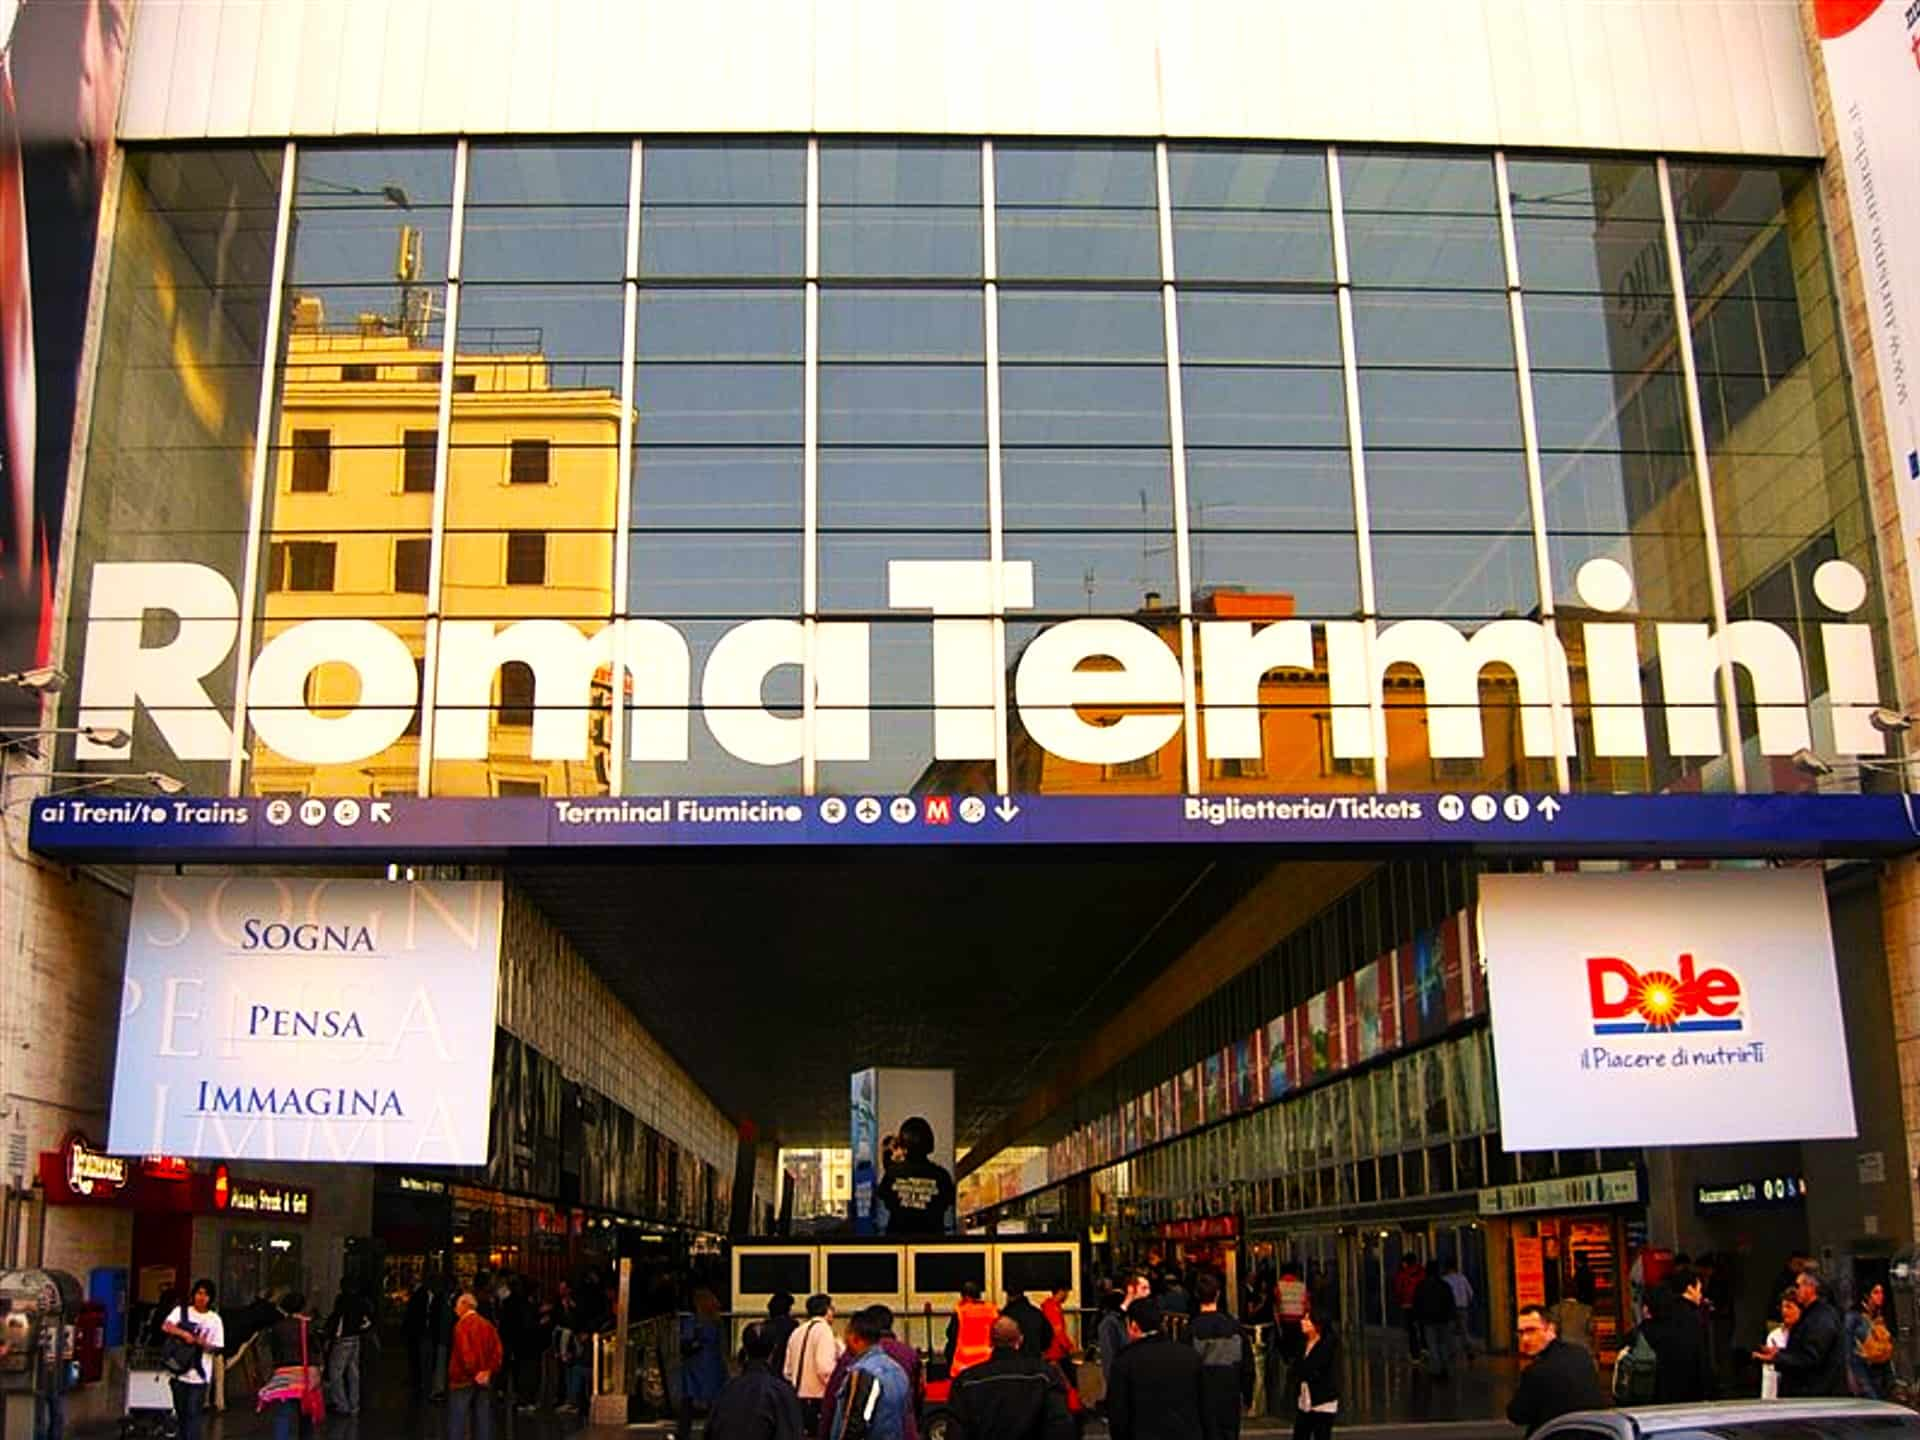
<point x="530" y="514"/>
<point x="1296" y="733"/>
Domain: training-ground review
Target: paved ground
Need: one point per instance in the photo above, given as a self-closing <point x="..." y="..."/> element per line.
<point x="1384" y="1396"/>
<point x="400" y="1425"/>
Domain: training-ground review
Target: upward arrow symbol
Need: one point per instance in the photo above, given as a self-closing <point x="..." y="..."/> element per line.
<point x="1549" y="807"/>
<point x="1006" y="809"/>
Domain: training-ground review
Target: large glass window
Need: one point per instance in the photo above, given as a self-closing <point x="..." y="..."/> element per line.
<point x="1446" y="461"/>
<point x="533" y="470"/>
<point x="346" y="534"/>
<point x="894" y="210"/>
<point x="856" y="400"/>
<point x="718" y="465"/>
<point x="1617" y="472"/>
<point x="1788" y="491"/>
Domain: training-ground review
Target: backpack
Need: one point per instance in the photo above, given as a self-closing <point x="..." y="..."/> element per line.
<point x="859" y="1402"/>
<point x="1876" y="1347"/>
<point x="180" y="1358"/>
<point x="1633" y="1372"/>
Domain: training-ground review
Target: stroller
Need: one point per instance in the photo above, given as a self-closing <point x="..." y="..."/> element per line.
<point x="149" y="1413"/>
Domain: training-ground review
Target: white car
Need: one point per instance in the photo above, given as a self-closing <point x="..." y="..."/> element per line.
<point x="1741" y="1420"/>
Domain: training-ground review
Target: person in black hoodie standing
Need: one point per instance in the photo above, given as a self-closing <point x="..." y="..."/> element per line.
<point x="1226" y="1362"/>
<point x="1035" y="1333"/>
<point x="1155" y="1390"/>
<point x="1314" y="1381"/>
<point x="1434" y="1307"/>
<point x="1684" y="1375"/>
<point x="1814" y="1359"/>
<point x="756" y="1404"/>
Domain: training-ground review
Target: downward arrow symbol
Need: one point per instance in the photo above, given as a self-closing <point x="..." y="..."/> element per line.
<point x="1006" y="810"/>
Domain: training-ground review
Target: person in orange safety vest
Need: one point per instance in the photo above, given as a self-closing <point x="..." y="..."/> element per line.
<point x="970" y="1331"/>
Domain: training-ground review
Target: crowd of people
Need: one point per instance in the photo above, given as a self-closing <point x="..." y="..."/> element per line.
<point x="499" y="1335"/>
<point x="1172" y="1360"/>
<point x="1678" y="1352"/>
<point x="545" y="1337"/>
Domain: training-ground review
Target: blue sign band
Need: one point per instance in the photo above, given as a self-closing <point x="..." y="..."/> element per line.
<point x="180" y="828"/>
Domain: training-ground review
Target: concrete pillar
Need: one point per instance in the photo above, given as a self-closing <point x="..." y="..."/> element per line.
<point x="1900" y="879"/>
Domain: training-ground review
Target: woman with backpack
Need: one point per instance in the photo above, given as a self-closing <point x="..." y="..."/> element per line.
<point x="1870" y="1346"/>
<point x="195" y="1335"/>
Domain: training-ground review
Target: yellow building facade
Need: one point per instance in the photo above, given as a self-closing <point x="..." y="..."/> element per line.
<point x="532" y="481"/>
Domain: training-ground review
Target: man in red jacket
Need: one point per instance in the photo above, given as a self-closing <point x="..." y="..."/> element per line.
<point x="470" y="1368"/>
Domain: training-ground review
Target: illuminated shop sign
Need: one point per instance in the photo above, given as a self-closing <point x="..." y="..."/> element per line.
<point x="92" y="1172"/>
<point x="1769" y="1192"/>
<point x="1204" y="1227"/>
<point x="1575" y="1192"/>
<point x="1128" y="671"/>
<point x="260" y="1198"/>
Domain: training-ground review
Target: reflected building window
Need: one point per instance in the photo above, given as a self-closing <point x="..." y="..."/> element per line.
<point x="516" y="695"/>
<point x="418" y="460"/>
<point x="301" y="566"/>
<point x="410" y="565"/>
<point x="312" y="462"/>
<point x="526" y="557"/>
<point x="530" y="462"/>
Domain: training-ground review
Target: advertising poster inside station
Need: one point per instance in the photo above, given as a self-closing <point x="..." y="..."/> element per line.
<point x="1664" y="1008"/>
<point x="1869" y="49"/>
<point x="305" y="1018"/>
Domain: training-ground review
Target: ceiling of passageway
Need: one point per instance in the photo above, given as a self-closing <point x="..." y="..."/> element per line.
<point x="772" y="981"/>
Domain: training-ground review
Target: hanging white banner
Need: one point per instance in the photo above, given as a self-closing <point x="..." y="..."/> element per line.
<point x="294" y="1018"/>
<point x="1869" y="47"/>
<point x="1665" y="1008"/>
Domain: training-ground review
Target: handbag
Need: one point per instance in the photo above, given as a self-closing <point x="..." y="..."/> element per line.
<point x="180" y="1358"/>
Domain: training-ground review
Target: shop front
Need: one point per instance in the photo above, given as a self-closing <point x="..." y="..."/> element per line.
<point x="251" y="1234"/>
<point x="1571" y="1240"/>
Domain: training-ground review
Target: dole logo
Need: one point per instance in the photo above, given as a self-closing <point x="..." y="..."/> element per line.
<point x="1627" y="1002"/>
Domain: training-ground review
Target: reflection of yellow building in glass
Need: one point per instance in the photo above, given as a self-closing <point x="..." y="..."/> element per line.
<point x="530" y="514"/>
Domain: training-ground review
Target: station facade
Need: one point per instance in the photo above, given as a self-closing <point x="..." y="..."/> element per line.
<point x="1296" y="419"/>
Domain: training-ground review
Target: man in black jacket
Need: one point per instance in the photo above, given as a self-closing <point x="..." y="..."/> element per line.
<point x="1154" y="1393"/>
<point x="1226" y="1362"/>
<point x="1014" y="1396"/>
<point x="1035" y="1333"/>
<point x="779" y="1327"/>
<point x="1814" y="1361"/>
<point x="756" y="1404"/>
<point x="1434" y="1308"/>
<point x="1684" y="1375"/>
<point x="1559" y="1377"/>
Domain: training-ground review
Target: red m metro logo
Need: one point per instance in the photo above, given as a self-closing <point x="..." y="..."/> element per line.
<point x="1627" y="1002"/>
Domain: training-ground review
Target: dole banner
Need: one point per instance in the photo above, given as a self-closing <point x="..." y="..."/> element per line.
<point x="308" y="1019"/>
<point x="1665" y="1008"/>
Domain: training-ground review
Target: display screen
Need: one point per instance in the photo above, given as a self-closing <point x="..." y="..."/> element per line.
<point x="863" y="1272"/>
<point x="944" y="1272"/>
<point x="1036" y="1272"/>
<point x="770" y="1274"/>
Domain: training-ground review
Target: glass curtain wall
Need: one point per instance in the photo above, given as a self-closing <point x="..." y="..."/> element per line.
<point x="170" y="457"/>
<point x="712" y="417"/>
